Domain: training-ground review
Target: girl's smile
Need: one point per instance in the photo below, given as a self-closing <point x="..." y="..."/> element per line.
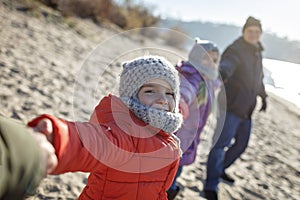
<point x="157" y="93"/>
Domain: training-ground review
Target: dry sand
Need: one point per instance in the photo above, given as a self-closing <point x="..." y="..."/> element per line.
<point x="40" y="59"/>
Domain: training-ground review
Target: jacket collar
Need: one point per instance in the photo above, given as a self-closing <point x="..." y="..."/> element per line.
<point x="111" y="110"/>
<point x="257" y="47"/>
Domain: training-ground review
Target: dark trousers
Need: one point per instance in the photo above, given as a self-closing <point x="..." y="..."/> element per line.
<point x="219" y="158"/>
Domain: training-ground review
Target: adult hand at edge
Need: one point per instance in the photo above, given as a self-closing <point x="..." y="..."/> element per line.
<point x="264" y="105"/>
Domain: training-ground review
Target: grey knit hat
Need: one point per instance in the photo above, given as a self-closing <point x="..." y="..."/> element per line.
<point x="142" y="69"/>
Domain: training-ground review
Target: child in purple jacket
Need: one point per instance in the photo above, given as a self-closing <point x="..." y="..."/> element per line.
<point x="198" y="81"/>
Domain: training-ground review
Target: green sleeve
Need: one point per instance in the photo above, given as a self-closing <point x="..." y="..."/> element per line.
<point x="21" y="166"/>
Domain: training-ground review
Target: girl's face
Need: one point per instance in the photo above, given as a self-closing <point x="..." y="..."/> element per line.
<point x="214" y="56"/>
<point x="211" y="59"/>
<point x="157" y="93"/>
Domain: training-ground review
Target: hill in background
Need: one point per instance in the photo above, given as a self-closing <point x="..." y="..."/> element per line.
<point x="126" y="15"/>
<point x="223" y="35"/>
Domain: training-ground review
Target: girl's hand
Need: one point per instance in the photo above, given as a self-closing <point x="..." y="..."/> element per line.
<point x="44" y="136"/>
<point x="45" y="126"/>
<point x="184" y="109"/>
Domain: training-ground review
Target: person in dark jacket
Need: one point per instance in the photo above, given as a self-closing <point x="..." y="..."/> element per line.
<point x="242" y="73"/>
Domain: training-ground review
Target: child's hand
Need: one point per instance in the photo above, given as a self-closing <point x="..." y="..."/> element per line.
<point x="184" y="109"/>
<point x="45" y="127"/>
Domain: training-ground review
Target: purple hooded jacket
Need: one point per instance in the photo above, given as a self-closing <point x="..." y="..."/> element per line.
<point x="189" y="133"/>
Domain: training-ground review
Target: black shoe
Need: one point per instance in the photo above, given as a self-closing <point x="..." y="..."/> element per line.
<point x="227" y="178"/>
<point x="210" y="195"/>
<point x="172" y="193"/>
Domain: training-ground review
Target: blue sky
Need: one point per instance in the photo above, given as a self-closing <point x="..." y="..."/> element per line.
<point x="277" y="16"/>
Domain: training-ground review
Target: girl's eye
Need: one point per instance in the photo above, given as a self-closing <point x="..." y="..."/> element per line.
<point x="170" y="94"/>
<point x="148" y="91"/>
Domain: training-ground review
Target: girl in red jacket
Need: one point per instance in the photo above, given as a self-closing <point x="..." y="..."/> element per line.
<point x="128" y="144"/>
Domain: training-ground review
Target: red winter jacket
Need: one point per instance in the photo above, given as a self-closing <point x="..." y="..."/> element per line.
<point x="126" y="158"/>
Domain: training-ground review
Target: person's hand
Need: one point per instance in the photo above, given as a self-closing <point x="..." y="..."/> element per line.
<point x="264" y="105"/>
<point x="183" y="109"/>
<point x="44" y="136"/>
<point x="45" y="126"/>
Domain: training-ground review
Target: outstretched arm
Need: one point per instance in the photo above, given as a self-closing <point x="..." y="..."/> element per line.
<point x="228" y="64"/>
<point x="71" y="154"/>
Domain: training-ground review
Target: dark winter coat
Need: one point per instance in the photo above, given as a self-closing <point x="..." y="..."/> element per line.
<point x="242" y="72"/>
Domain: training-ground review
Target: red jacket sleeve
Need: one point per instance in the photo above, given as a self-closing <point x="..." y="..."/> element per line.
<point x="71" y="154"/>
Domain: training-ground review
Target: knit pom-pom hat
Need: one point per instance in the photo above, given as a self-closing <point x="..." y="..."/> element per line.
<point x="142" y="69"/>
<point x="197" y="54"/>
<point x="135" y="74"/>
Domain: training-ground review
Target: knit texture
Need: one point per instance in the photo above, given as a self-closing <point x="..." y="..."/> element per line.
<point x="135" y="74"/>
<point x="140" y="70"/>
<point x="167" y="121"/>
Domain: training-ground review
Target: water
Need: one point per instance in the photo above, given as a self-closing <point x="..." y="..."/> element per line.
<point x="283" y="79"/>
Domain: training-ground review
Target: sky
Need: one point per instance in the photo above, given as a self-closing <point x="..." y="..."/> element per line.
<point x="281" y="17"/>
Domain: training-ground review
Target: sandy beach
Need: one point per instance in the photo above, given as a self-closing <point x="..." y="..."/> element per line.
<point x="41" y="62"/>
